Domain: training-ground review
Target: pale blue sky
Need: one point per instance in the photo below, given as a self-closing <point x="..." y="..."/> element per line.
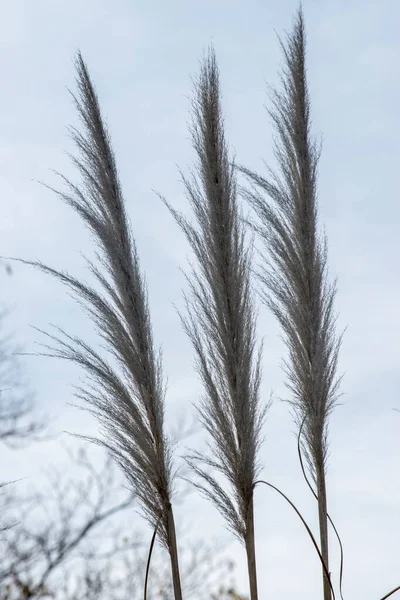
<point x="141" y="56"/>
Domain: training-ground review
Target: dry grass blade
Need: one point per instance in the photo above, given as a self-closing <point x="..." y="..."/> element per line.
<point x="128" y="399"/>
<point x="295" y="282"/>
<point x="324" y="567"/>
<point x="327" y="514"/>
<point x="396" y="589"/>
<point x="221" y="323"/>
<point x="153" y="539"/>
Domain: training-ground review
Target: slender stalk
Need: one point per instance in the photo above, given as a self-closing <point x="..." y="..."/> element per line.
<point x="323" y="528"/>
<point x="173" y="552"/>
<point x="251" y="553"/>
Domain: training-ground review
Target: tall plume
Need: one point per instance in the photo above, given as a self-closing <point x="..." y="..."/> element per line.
<point x="127" y="400"/>
<point x="295" y="284"/>
<point x="221" y="318"/>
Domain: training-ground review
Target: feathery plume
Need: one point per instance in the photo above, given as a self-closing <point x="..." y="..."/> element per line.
<point x="295" y="278"/>
<point x="127" y="400"/>
<point x="221" y="322"/>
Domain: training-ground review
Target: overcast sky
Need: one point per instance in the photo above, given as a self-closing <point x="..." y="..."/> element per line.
<point x="141" y="56"/>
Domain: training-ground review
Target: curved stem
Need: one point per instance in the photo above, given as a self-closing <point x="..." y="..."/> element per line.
<point x="153" y="539"/>
<point x="308" y="531"/>
<point x="396" y="589"/>
<point x="390" y="593"/>
<point x="316" y="497"/>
